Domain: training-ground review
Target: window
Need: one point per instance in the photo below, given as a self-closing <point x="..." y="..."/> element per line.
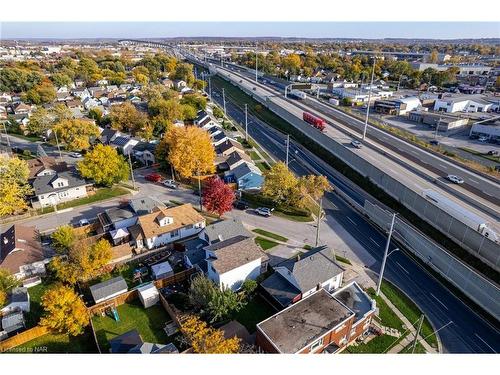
<point x="315" y="345"/>
<point x="174" y="233"/>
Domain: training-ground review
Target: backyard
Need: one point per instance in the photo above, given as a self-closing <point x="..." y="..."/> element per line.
<point x="148" y="322"/>
<point x="59" y="343"/>
<point x="255" y="311"/>
<point x="379" y="344"/>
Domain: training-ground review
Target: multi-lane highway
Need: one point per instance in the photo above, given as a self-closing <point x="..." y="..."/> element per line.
<point x="464" y="330"/>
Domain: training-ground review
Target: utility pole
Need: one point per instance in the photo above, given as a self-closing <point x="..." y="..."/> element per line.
<point x="369" y="99"/>
<point x="172" y="172"/>
<point x="437" y="128"/>
<point x="199" y="189"/>
<point x="131" y="170"/>
<point x="224" y="100"/>
<point x="421" y="320"/>
<point x="319" y="220"/>
<point x="384" y="259"/>
<point x="209" y="89"/>
<point x="6" y="134"/>
<point x="287" y="147"/>
<point x="58" y="147"/>
<point x="256" y="65"/>
<point x="246" y="122"/>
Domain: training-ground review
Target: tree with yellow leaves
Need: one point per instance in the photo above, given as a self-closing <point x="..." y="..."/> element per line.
<point x="190" y="151"/>
<point x="279" y="183"/>
<point x="104" y="166"/>
<point x="75" y="133"/>
<point x="14" y="187"/>
<point x="315" y="186"/>
<point x="125" y="117"/>
<point x="207" y="340"/>
<point x="64" y="311"/>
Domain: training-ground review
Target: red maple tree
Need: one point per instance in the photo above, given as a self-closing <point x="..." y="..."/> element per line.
<point x="217" y="197"/>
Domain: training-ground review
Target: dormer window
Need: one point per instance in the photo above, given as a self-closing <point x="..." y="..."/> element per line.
<point x="165" y="220"/>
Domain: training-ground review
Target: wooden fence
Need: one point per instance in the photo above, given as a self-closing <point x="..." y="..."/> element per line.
<point x="23" y="337"/>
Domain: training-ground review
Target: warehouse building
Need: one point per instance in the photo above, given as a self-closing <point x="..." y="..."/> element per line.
<point x="491" y="132"/>
<point x="446" y="123"/>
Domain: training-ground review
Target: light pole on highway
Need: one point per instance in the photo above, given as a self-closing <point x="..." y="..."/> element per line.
<point x="209" y="89"/>
<point x="369" y="99"/>
<point x="386" y="255"/>
<point x="256" y="80"/>
<point x="224" y="100"/>
<point x="287" y="147"/>
<point x="246" y="122"/>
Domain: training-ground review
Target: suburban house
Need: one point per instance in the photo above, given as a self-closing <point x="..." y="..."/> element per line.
<point x="298" y="278"/>
<point x="237" y="158"/>
<point x="46" y="165"/>
<point x="52" y="189"/>
<point x="124" y="143"/>
<point x="246" y="175"/>
<point x="13" y="323"/>
<point x="22" y="109"/>
<point x="227" y="147"/>
<point x="145" y="152"/>
<point x="108" y="289"/>
<point x="19" y="300"/>
<point x="223" y="230"/>
<point x="180" y="84"/>
<point x="320" y="323"/>
<point x="230" y="262"/>
<point x="203" y="120"/>
<point x="21" y="252"/>
<point x="131" y="343"/>
<point x="165" y="226"/>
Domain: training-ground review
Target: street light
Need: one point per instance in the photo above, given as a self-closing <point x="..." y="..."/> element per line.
<point x="369" y="99"/>
<point x="386" y="255"/>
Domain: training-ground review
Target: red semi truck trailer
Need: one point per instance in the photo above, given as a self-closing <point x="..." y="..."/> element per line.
<point x="315" y="121"/>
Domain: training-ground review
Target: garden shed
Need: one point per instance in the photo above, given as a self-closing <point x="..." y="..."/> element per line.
<point x="161" y="270"/>
<point x="149" y="295"/>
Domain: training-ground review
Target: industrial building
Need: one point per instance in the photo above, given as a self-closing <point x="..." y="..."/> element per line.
<point x="445" y="123"/>
<point x="492" y="132"/>
<point x="462" y="104"/>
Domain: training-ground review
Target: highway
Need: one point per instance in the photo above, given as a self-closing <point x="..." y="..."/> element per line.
<point x="464" y="331"/>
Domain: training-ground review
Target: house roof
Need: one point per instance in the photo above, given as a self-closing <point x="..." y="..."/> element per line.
<point x="356" y="299"/>
<point x="243" y="169"/>
<point x="125" y="342"/>
<point x="182" y="215"/>
<point x="19" y="294"/>
<point x="219" y="136"/>
<point x="313" y="268"/>
<point x="45" y="162"/>
<point x="24" y="240"/>
<point x="225" y="229"/>
<point x="13" y="322"/>
<point x="150" y="348"/>
<point x="143" y="146"/>
<point x="299" y="325"/>
<point x="143" y="206"/>
<point x="235" y="157"/>
<point x="234" y="252"/>
<point x="280" y="289"/>
<point x="107" y="288"/>
<point x="161" y="268"/>
<point x="227" y="145"/>
<point x="42" y="184"/>
<point x="117" y="214"/>
<point x="121" y="140"/>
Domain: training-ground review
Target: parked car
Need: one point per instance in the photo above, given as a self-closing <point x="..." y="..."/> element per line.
<point x="75" y="154"/>
<point x="264" y="211"/>
<point x="455" y="179"/>
<point x="83" y="222"/>
<point x="482" y="139"/>
<point x="154" y="177"/>
<point x="240" y="205"/>
<point x="356" y="144"/>
<point x="493" y="152"/>
<point x="170" y="184"/>
<point x="434" y="142"/>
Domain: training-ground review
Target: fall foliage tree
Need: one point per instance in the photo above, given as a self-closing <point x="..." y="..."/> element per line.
<point x="7" y="283"/>
<point x="104" y="166"/>
<point x="14" y="187"/>
<point x="218" y="197"/>
<point x="315" y="186"/>
<point x="190" y="151"/>
<point x="39" y="121"/>
<point x="207" y="340"/>
<point x="279" y="183"/>
<point x="64" y="311"/>
<point x="42" y="93"/>
<point x="125" y="117"/>
<point x="63" y="239"/>
<point x="76" y="133"/>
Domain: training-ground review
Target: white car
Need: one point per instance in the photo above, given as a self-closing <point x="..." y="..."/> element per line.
<point x="482" y="139"/>
<point x="75" y="155"/>
<point x="170" y="184"/>
<point x="264" y="211"/>
<point x="356" y="144"/>
<point x="455" y="179"/>
<point x="83" y="222"/>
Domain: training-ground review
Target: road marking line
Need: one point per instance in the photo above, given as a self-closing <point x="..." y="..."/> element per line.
<point x="437" y="299"/>
<point x="479" y="337"/>
<point x="348" y="218"/>
<point x="474" y="181"/>
<point x="442" y="166"/>
<point x="404" y="269"/>
<point x="375" y="242"/>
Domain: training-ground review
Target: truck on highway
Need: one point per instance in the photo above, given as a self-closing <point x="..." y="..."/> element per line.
<point x="333" y="101"/>
<point x="298" y="94"/>
<point x="467" y="217"/>
<point x="315" y="121"/>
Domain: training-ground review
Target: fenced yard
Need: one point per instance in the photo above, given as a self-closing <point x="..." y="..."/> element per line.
<point x="255" y="311"/>
<point x="148" y="322"/>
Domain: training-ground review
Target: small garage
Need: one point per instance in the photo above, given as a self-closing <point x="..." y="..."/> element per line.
<point x="161" y="270"/>
<point x="149" y="295"/>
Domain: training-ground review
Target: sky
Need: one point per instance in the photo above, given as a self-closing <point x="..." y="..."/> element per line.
<point x="362" y="30"/>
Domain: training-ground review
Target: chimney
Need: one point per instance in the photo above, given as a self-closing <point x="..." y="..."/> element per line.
<point x="298" y="257"/>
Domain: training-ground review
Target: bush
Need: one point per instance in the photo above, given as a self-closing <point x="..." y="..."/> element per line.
<point x="27" y="153"/>
<point x="249" y="287"/>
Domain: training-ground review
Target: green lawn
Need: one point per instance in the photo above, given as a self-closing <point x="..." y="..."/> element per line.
<point x="342" y="259"/>
<point x="270" y="235"/>
<point x="477" y="153"/>
<point x="254" y="155"/>
<point x="262" y="166"/>
<point x="36" y="292"/>
<point x="58" y="343"/>
<point x="149" y="322"/>
<point x="387" y="317"/>
<point x="255" y="311"/>
<point x="378" y="344"/>
<point x="265" y="243"/>
<point x="101" y="194"/>
<point x="307" y="247"/>
<point x="409" y="309"/>
<point x="286" y="212"/>
<point x="419" y="349"/>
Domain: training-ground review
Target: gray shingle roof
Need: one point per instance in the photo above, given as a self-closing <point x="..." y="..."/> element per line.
<point x="142" y="206"/>
<point x="107" y="288"/>
<point x="280" y="289"/>
<point x="42" y="184"/>
<point x="313" y="268"/>
<point x="356" y="299"/>
<point x="224" y="230"/>
<point x="243" y="169"/>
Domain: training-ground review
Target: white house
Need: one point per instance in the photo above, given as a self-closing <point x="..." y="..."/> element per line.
<point x="461" y="104"/>
<point x="232" y="261"/>
<point x="165" y="226"/>
<point x="19" y="300"/>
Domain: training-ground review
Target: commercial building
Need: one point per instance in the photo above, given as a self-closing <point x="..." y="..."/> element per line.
<point x="461" y="104"/>
<point x="445" y="123"/>
<point x="492" y="132"/>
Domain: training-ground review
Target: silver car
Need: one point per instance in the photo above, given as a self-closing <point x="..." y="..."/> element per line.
<point x="454" y="179"/>
<point x="264" y="211"/>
